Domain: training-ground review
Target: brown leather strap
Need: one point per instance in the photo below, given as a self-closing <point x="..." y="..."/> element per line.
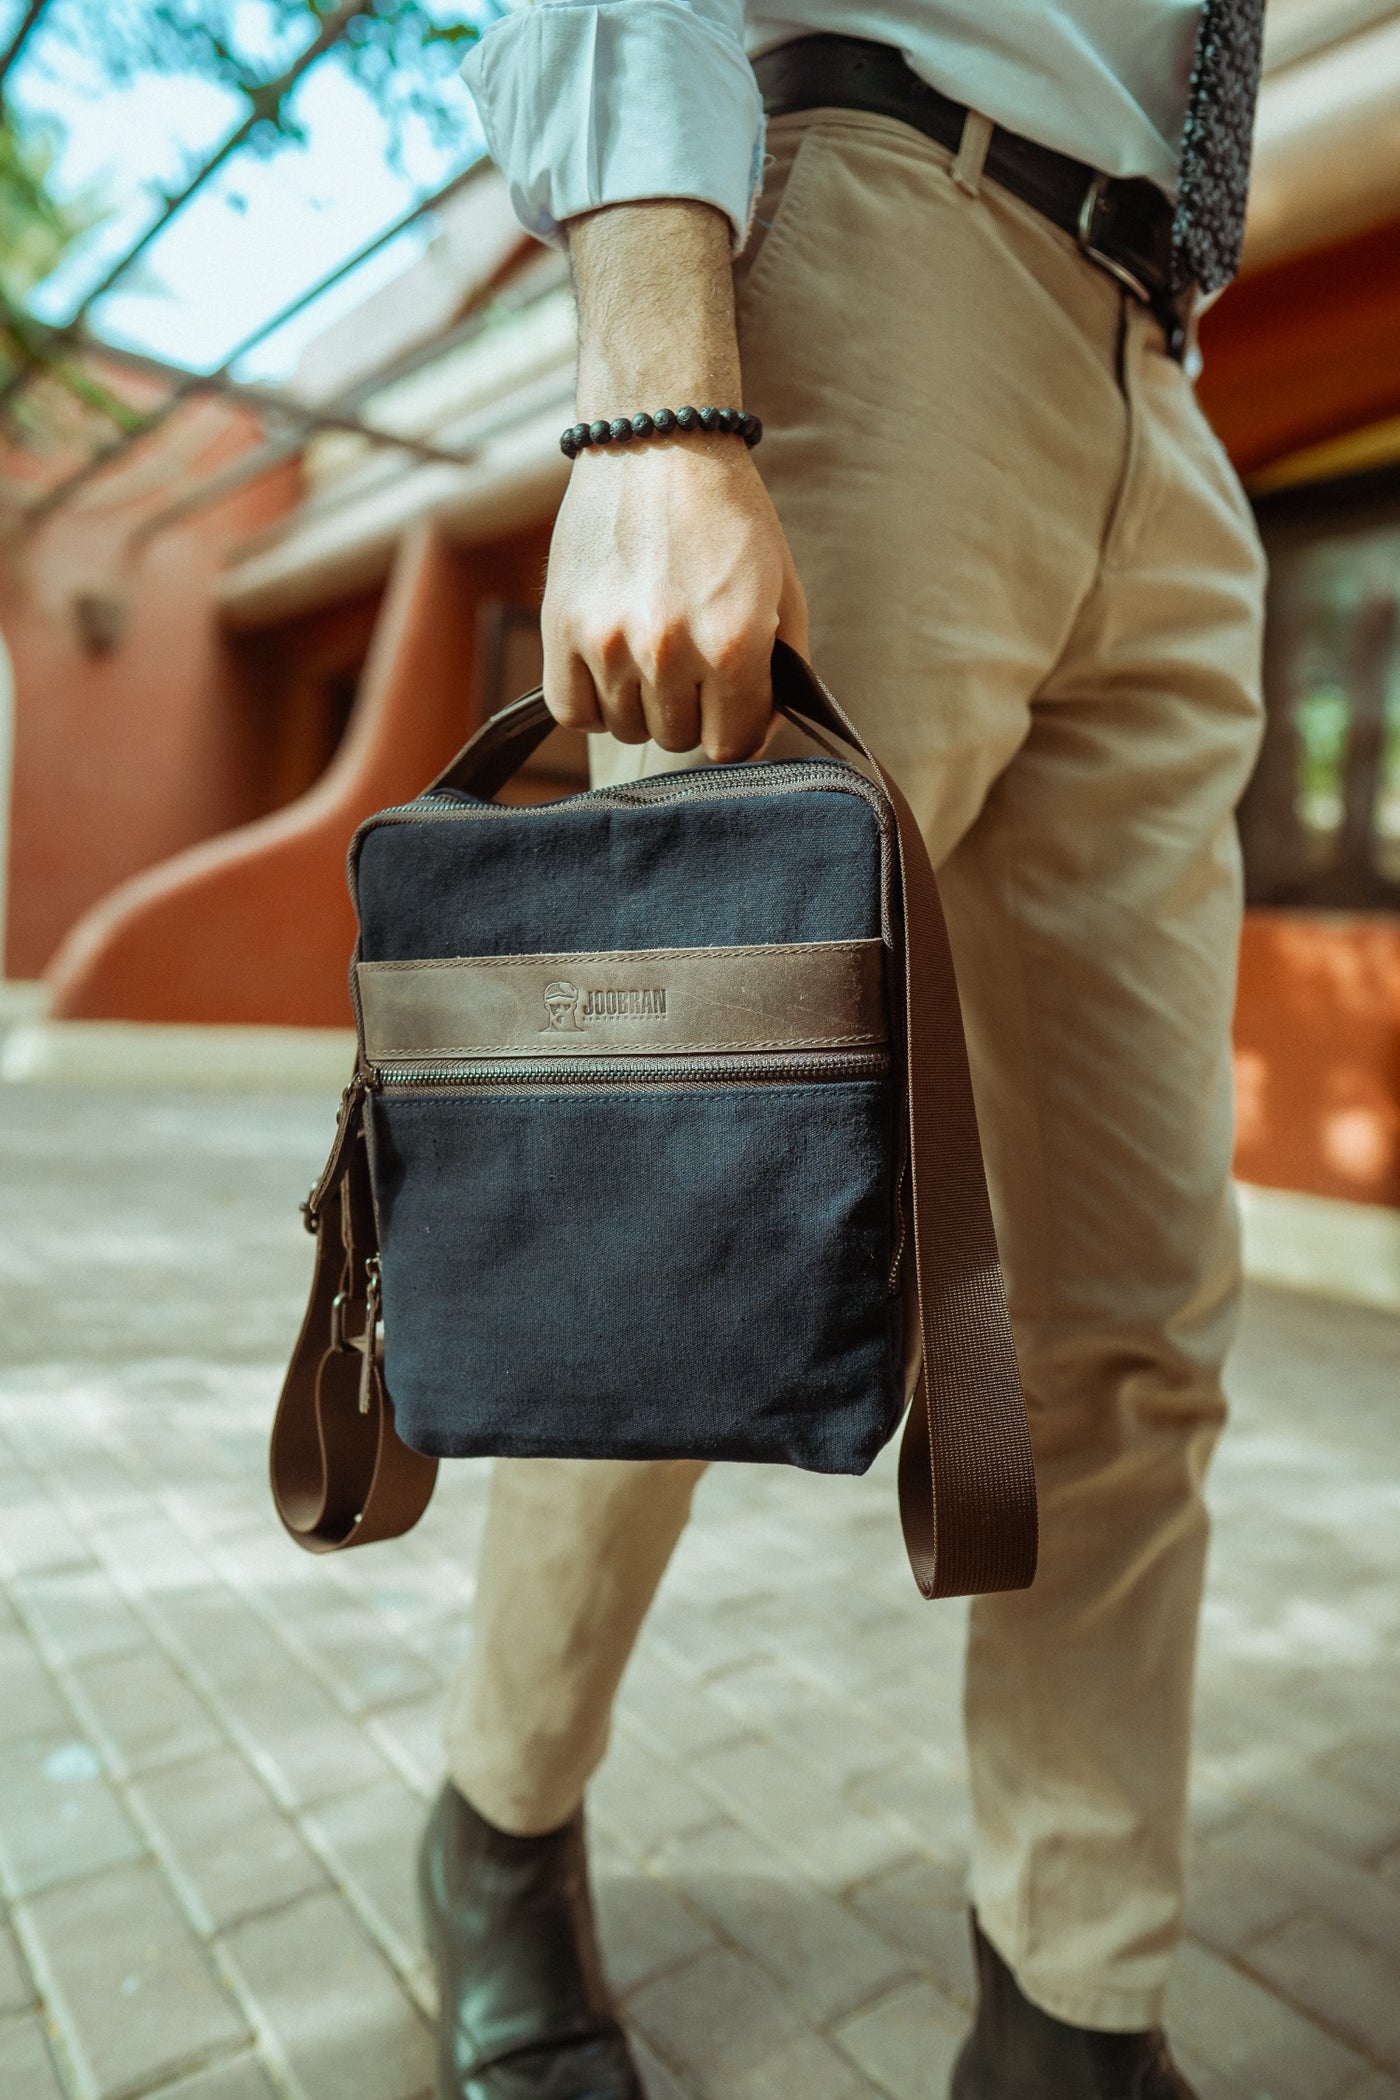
<point x="966" y="1477"/>
<point x="341" y="1476"/>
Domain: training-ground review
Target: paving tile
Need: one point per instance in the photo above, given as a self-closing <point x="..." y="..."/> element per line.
<point x="425" y="1596"/>
<point x="1251" y="1731"/>
<point x="77" y="1615"/>
<point x="809" y="2067"/>
<point x="828" y="1957"/>
<point x="907" y="2043"/>
<point x="410" y="1738"/>
<point x="59" y="1816"/>
<point x="155" y="1562"/>
<point x="856" y="1652"/>
<point x="717" y="2019"/>
<point x="1261" y="1872"/>
<point x="922" y="1906"/>
<point x="823" y="1628"/>
<point x="16" y="1990"/>
<point x="219" y="1641"/>
<point x="33" y="1703"/>
<point x="1346" y="1819"/>
<point x="1349" y="1984"/>
<point x="367" y="1664"/>
<point x="1239" y="1885"/>
<point x="328" y="2006"/>
<point x="800" y="1814"/>
<point x="920" y="1719"/>
<point x="839" y="1738"/>
<point x="231" y="1853"/>
<point x="1370" y="1768"/>
<point x="1220" y="2017"/>
<point x="369" y="1840"/>
<point x="215" y="1508"/>
<point x="243" y="2079"/>
<point x="698" y="1642"/>
<point x="643" y="1800"/>
<point x="98" y="1492"/>
<point x="35" y="1536"/>
<point x="672" y="1711"/>
<point x="930" y="1798"/>
<point x="644" y="1926"/>
<point x="26" y="2066"/>
<point x="659" y="2081"/>
<point x="144" y="1711"/>
<point x="129" y="1987"/>
<point x="1205" y="2082"/>
<point x="306" y="1745"/>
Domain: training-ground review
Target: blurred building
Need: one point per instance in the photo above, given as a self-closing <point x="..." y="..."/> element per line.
<point x="249" y="631"/>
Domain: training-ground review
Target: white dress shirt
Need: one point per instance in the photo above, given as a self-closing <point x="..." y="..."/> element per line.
<point x="591" y="102"/>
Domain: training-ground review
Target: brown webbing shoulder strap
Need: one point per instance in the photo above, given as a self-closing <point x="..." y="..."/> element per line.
<point x="341" y="1475"/>
<point x="967" y="1497"/>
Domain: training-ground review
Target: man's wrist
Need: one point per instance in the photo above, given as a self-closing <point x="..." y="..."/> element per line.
<point x="656" y="308"/>
<point x="604" y="391"/>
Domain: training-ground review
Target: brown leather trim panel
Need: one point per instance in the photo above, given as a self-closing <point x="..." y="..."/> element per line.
<point x="819" y="995"/>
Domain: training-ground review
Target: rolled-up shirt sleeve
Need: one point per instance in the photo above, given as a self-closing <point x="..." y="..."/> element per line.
<point x="591" y="104"/>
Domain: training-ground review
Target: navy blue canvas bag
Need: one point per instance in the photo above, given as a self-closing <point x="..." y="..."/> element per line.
<point x="660" y="1144"/>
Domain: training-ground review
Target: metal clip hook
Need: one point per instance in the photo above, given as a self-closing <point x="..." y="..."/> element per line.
<point x="369" y="1341"/>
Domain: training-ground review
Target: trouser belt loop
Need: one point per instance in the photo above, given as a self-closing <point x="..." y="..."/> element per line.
<point x="972" y="152"/>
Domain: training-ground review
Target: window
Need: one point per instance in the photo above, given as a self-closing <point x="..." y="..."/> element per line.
<point x="1320" y="822"/>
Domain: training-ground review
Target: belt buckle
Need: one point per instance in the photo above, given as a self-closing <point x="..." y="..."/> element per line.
<point x="1084" y="233"/>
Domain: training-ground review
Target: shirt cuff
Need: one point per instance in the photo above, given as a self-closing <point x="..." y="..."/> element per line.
<point x="586" y="105"/>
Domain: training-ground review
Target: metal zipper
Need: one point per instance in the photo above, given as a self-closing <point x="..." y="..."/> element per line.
<point x="688" y="785"/>
<point x="514" y="1074"/>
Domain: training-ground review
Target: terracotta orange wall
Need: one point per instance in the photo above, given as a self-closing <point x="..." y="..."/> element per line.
<point x="124" y="758"/>
<point x="1317" y="1055"/>
<point x="255" y="925"/>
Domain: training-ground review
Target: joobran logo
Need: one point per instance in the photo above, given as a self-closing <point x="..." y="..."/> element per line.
<point x="567" y="1009"/>
<point x="561" y="1004"/>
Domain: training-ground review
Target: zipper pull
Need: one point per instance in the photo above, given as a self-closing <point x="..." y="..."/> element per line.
<point x="350" y="1100"/>
<point x="370" y="1342"/>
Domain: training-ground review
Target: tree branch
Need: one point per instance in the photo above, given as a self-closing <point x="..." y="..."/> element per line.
<point x="20" y="38"/>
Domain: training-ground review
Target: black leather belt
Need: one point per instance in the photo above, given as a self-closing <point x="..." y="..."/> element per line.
<point x="1124" y="226"/>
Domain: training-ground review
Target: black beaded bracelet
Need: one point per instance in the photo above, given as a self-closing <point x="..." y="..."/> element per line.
<point x="622" y="430"/>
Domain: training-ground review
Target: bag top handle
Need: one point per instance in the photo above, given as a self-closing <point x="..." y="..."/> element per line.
<point x="503" y="744"/>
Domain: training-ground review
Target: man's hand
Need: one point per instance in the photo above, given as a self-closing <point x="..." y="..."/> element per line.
<point x="669" y="574"/>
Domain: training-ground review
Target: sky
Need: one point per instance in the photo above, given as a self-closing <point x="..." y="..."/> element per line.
<point x="262" y="230"/>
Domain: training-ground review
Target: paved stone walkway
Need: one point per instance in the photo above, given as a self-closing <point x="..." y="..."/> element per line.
<point x="215" y="1752"/>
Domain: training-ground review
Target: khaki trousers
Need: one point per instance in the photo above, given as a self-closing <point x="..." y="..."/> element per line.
<point x="1036" y="585"/>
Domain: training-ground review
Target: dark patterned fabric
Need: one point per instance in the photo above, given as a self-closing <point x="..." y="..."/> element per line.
<point x="1215" y="144"/>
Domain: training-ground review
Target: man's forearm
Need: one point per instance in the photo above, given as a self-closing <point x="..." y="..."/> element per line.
<point x="655" y="308"/>
<point x="668" y="573"/>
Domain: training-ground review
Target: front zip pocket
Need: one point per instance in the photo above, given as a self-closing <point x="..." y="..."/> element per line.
<point x="659" y="1257"/>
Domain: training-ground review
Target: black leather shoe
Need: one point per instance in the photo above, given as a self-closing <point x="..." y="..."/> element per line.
<point x="525" y="2011"/>
<point x="1018" y="2052"/>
